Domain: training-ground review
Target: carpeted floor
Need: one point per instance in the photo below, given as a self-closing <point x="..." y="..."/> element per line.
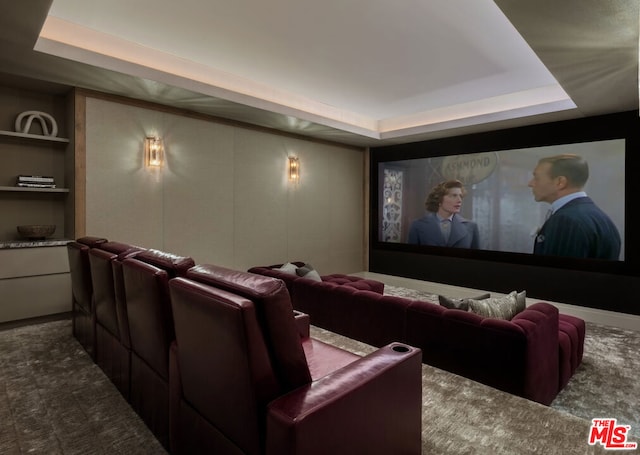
<point x="607" y="384"/>
<point x="55" y="400"/>
<point x="461" y="416"/>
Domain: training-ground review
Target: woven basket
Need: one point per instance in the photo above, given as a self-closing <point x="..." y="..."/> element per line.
<point x="36" y="231"/>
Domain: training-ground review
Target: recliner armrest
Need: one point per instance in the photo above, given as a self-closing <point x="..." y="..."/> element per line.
<point x="372" y="406"/>
<point x="303" y="323"/>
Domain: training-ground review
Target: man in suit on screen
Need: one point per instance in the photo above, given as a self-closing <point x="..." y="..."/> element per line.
<point x="576" y="227"/>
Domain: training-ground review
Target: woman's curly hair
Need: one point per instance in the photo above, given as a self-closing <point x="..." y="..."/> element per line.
<point x="438" y="192"/>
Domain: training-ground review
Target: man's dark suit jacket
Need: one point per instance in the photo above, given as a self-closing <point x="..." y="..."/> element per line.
<point x="426" y="231"/>
<point x="579" y="229"/>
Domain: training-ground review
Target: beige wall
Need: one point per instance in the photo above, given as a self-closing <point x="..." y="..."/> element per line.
<point x="223" y="196"/>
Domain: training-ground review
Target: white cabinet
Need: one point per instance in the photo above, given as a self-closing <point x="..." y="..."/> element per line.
<point x="34" y="282"/>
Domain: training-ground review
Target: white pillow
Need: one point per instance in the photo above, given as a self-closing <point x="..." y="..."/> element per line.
<point x="521" y="301"/>
<point x="289" y="268"/>
<point x="307" y="271"/>
<point x="459" y="304"/>
<point x="499" y="307"/>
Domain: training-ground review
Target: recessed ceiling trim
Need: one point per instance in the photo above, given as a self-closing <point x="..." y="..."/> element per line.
<point x="507" y="114"/>
<point x="75" y="42"/>
<point x="528" y="102"/>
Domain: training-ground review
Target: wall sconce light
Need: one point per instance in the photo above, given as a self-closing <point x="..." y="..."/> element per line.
<point x="153" y="152"/>
<point x="294" y="169"/>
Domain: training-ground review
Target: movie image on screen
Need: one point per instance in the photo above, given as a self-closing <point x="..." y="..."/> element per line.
<point x="500" y="201"/>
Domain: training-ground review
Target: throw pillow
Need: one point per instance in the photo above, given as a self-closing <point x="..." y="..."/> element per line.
<point x="459" y="304"/>
<point x="498" y="307"/>
<point x="307" y="271"/>
<point x="521" y="301"/>
<point x="289" y="268"/>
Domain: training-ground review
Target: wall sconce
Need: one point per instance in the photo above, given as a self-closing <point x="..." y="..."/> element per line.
<point x="294" y="169"/>
<point x="153" y="152"/>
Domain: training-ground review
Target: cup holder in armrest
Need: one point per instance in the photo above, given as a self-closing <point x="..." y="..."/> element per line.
<point x="401" y="348"/>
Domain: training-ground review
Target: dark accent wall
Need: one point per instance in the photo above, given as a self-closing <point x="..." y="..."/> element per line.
<point x="608" y="285"/>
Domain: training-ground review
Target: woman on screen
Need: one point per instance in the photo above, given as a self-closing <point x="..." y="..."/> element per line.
<point x="443" y="225"/>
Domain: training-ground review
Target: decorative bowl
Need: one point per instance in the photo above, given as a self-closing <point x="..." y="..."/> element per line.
<point x="36" y="231"/>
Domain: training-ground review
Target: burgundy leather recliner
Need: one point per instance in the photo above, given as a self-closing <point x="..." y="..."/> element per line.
<point x="113" y="348"/>
<point x="243" y="380"/>
<point x="82" y="310"/>
<point x="146" y="278"/>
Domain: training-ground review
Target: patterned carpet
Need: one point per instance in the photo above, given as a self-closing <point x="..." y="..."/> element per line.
<point x="607" y="384"/>
<point x="55" y="400"/>
<point x="461" y="416"/>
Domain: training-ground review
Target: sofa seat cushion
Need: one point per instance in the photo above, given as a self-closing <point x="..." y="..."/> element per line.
<point x="362" y="284"/>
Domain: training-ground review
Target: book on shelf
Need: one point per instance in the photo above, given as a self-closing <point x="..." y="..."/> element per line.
<point x="35" y="179"/>
<point x="36" y="185"/>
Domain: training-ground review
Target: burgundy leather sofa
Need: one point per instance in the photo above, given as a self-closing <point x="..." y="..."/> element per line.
<point x="82" y="308"/>
<point x="244" y="380"/>
<point x="534" y="355"/>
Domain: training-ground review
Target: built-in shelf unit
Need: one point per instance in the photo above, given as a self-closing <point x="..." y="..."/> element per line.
<point x="36" y="154"/>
